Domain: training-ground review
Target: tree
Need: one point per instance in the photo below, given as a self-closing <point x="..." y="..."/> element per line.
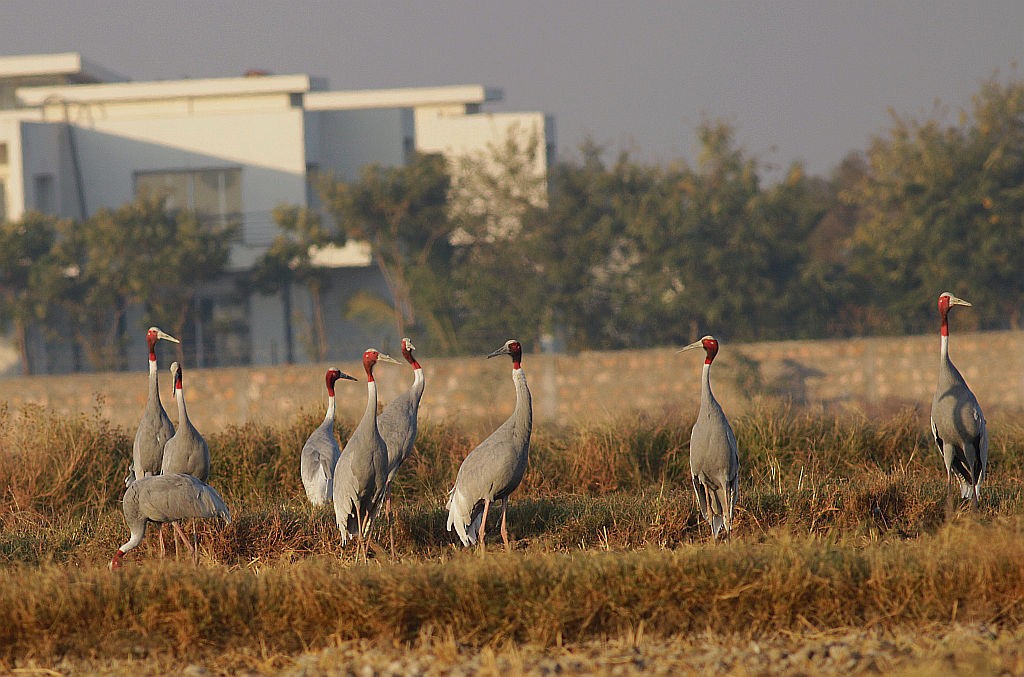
<point x="188" y="253"/>
<point x="402" y="213"/>
<point x="25" y="259"/>
<point x="497" y="267"/>
<point x="289" y="260"/>
<point x="137" y="255"/>
<point x="941" y="208"/>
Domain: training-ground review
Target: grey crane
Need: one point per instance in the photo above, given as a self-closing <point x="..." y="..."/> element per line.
<point x="320" y="452"/>
<point x="186" y="451"/>
<point x="362" y="470"/>
<point x="166" y="498"/>
<point x="957" y="421"/>
<point x="397" y="422"/>
<point x="155" y="428"/>
<point x="493" y="470"/>
<point x="714" y="457"/>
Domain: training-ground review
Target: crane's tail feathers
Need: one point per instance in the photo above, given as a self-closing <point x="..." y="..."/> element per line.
<point x="459" y="518"/>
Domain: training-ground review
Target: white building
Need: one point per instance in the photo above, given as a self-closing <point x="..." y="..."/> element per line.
<point x="75" y="138"/>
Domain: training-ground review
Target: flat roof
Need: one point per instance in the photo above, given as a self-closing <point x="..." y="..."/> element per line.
<point x="166" y="89"/>
<point x="70" y="64"/>
<point x="406" y="97"/>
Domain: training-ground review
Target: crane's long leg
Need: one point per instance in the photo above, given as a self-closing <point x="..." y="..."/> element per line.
<point x="483" y="524"/>
<point x="504" y="532"/>
<point x="391" y="518"/>
<point x="949" y="494"/>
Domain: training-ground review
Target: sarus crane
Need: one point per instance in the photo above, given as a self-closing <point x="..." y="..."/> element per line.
<point x="166" y="498"/>
<point x="958" y="423"/>
<point x="493" y="470"/>
<point x="362" y="469"/>
<point x="714" y="458"/>
<point x="321" y="451"/>
<point x="155" y="428"/>
<point x="397" y="424"/>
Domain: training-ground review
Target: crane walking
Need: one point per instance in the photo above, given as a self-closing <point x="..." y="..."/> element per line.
<point x="397" y="422"/>
<point x="714" y="458"/>
<point x="155" y="428"/>
<point x="166" y="498"/>
<point x="320" y="452"/>
<point x="957" y="421"/>
<point x="493" y="470"/>
<point x="362" y="469"/>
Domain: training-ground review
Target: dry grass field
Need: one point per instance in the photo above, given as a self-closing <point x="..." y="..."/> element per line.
<point x="843" y="560"/>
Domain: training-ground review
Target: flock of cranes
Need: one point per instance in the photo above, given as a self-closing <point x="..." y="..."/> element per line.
<point x="170" y="467"/>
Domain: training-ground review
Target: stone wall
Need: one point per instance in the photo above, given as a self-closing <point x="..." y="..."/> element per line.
<point x="856" y="373"/>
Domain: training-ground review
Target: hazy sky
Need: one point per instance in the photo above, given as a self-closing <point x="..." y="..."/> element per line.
<point x="807" y="80"/>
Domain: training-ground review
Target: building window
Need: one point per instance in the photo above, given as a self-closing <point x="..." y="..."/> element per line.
<point x="44" y="192"/>
<point x="215" y="195"/>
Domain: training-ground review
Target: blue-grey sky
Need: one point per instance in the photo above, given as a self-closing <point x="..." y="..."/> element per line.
<point x="802" y="80"/>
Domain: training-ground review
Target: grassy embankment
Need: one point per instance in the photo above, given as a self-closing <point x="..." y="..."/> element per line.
<point x="842" y="526"/>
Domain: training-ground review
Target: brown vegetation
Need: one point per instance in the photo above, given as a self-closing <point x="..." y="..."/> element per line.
<point x="841" y="527"/>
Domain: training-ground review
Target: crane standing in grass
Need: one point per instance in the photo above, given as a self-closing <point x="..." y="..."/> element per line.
<point x="166" y="498"/>
<point x="320" y="452"/>
<point x="397" y="423"/>
<point x="714" y="458"/>
<point x="493" y="470"/>
<point x="186" y="451"/>
<point x="155" y="428"/>
<point x="362" y="470"/>
<point x="957" y="421"/>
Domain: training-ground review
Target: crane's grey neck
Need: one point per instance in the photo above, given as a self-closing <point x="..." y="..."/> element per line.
<point x="706" y="396"/>
<point x="524" y="402"/>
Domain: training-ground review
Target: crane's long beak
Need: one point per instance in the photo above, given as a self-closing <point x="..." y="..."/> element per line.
<point x="165" y="336"/>
<point x="346" y="376"/>
<point x="696" y="344"/>
<point x="954" y="301"/>
<point x="381" y="357"/>
<point x="500" y="351"/>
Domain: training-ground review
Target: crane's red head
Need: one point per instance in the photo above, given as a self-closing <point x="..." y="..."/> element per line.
<point x="947" y="301"/>
<point x="512" y="348"/>
<point x="116" y="562"/>
<point x="333" y="374"/>
<point x="710" y="346"/>
<point x="407" y="348"/>
<point x="371" y="357"/>
<point x="152" y="336"/>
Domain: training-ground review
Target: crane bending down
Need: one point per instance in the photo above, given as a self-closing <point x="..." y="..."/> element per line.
<point x="495" y="468"/>
<point x="714" y="458"/>
<point x="362" y="470"/>
<point x="166" y="498"/>
<point x="187" y="451"/>
<point x="320" y="452"/>
<point x="957" y="421"/>
<point x="397" y="422"/>
<point x="155" y="428"/>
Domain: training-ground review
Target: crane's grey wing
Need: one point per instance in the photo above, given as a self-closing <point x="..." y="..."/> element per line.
<point x="168" y="498"/>
<point x="397" y="424"/>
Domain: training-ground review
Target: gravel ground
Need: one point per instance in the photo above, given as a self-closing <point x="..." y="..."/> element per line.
<point x="945" y="650"/>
